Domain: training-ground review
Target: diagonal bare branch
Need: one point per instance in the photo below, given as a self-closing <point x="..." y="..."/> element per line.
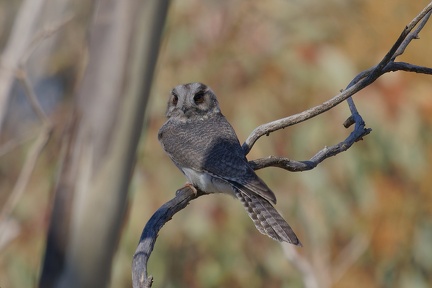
<point x="362" y="80"/>
<point x="320" y="156"/>
<point x="412" y="35"/>
<point x="24" y="176"/>
<point x="145" y="247"/>
<point x="49" y="30"/>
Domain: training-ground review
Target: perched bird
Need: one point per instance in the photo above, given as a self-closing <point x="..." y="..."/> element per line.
<point x="203" y="145"/>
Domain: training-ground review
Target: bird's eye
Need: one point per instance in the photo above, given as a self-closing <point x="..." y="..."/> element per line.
<point x="199" y="97"/>
<point x="174" y="99"/>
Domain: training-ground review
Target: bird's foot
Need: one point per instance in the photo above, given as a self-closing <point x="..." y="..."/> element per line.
<point x="192" y="187"/>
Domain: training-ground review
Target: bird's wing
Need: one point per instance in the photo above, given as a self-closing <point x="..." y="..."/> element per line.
<point x="212" y="147"/>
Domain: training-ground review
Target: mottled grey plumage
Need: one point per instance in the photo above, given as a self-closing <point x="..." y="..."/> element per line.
<point x="204" y="146"/>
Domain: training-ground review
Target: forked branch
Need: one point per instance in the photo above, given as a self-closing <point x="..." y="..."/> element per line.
<point x="362" y="80"/>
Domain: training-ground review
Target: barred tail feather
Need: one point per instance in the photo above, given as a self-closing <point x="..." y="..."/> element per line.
<point x="266" y="218"/>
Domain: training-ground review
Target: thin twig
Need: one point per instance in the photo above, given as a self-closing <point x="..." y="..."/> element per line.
<point x="302" y="264"/>
<point x="282" y="162"/>
<point x="31" y="96"/>
<point x="21" y="74"/>
<point x="412" y="35"/>
<point x="15" y="142"/>
<point x="407" y="67"/>
<point x="26" y="171"/>
<point x="43" y="34"/>
<point x="299" y="166"/>
<point x="18" y="42"/>
<point x="348" y="256"/>
<point x="419" y="17"/>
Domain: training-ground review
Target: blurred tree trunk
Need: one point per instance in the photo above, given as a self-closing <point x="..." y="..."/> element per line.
<point x="91" y="191"/>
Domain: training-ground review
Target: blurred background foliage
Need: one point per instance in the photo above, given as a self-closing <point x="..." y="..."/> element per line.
<point x="364" y="216"/>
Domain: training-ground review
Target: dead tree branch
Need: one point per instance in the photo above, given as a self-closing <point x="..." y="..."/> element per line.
<point x="150" y="233"/>
<point x="362" y="80"/>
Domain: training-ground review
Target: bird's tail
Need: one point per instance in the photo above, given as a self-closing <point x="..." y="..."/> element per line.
<point x="266" y="218"/>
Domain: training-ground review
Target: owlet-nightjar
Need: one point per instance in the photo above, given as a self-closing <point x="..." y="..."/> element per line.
<point x="204" y="146"/>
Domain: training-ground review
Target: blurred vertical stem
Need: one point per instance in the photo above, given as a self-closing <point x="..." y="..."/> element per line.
<point x="91" y="193"/>
<point x="18" y="42"/>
